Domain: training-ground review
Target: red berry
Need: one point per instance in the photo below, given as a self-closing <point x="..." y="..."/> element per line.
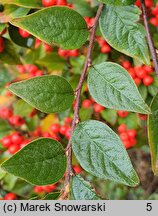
<point x="2" y="45"/>
<point x="55" y="128"/>
<point x="68" y="133"/>
<point x="16" y="138"/>
<point x="10" y="196"/>
<point x="63" y="53"/>
<point x="126" y="65"/>
<point x="73" y="53"/>
<point x="98" y="108"/>
<point x="133" y="142"/>
<point x="155" y="11"/>
<point x="127" y="144"/>
<point x="21" y="68"/>
<point x="154" y="21"/>
<point x="48" y="48"/>
<point x="50" y="188"/>
<point x="148" y="69"/>
<point x="16" y="120"/>
<point x="122" y="113"/>
<point x="38" y="189"/>
<point x="148" y="80"/>
<point x="68" y="120"/>
<point x="23" y="33"/>
<point x="124" y="136"/>
<point x="106" y="48"/>
<point x="87" y="103"/>
<point x="132" y="133"/>
<point x="6" y="113"/>
<point x="77" y="169"/>
<point x="61" y="2"/>
<point x="63" y="129"/>
<point x="140" y="72"/>
<point x="13" y="149"/>
<point x="137" y="81"/>
<point x="122" y="128"/>
<point x="6" y="141"/>
<point x="46" y="135"/>
<point x="48" y="3"/>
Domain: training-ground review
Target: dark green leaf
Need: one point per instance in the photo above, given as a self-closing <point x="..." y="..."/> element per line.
<point x="41" y="162"/>
<point x="111" y="86"/>
<point x="117" y="2"/>
<point x="17" y="39"/>
<point x="48" y="93"/>
<point x="12" y="11"/>
<point x="101" y="153"/>
<point x="59" y="25"/>
<point x="25" y="3"/>
<point x="153" y="134"/>
<point x="119" y="28"/>
<point x="52" y="196"/>
<point x="9" y="55"/>
<point x="82" y="190"/>
<point x="110" y="116"/>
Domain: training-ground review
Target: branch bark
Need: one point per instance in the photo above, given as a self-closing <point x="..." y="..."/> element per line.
<point x="88" y="63"/>
<point x="149" y="37"/>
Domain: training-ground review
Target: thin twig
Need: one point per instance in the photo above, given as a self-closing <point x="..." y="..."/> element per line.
<point x="70" y="172"/>
<point x="149" y="37"/>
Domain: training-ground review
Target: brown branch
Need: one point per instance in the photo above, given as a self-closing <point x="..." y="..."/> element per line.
<point x="70" y="172"/>
<point x="149" y="37"/>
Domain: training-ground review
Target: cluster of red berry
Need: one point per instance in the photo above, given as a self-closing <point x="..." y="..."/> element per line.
<point x="105" y="47"/>
<point x="9" y="196"/>
<point x="49" y="3"/>
<point x="68" y="53"/>
<point x="148" y="3"/>
<point x="33" y="70"/>
<point x="128" y="137"/>
<point x="14" y="142"/>
<point x="15" y="120"/>
<point x="154" y="19"/>
<point x="43" y="189"/>
<point x="122" y="113"/>
<point x="141" y="74"/>
<point x="87" y="103"/>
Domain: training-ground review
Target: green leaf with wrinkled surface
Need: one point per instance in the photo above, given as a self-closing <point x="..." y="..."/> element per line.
<point x="111" y="86"/>
<point x="118" y="2"/>
<point x="42" y="162"/>
<point x="52" y="196"/>
<point x="12" y="11"/>
<point x="101" y="153"/>
<point x="119" y="28"/>
<point x="47" y="93"/>
<point x="60" y="25"/>
<point x="24" y="3"/>
<point x="82" y="190"/>
<point x="9" y="55"/>
<point x="153" y="134"/>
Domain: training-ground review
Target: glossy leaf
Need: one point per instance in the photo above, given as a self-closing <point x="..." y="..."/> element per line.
<point x="82" y="190"/>
<point x="118" y="2"/>
<point x="41" y="162"/>
<point x="48" y="93"/>
<point x="24" y="3"/>
<point x="12" y="11"/>
<point x="60" y="25"/>
<point x="9" y="55"/>
<point x="119" y="28"/>
<point x="111" y="86"/>
<point x="153" y="134"/>
<point x="101" y="153"/>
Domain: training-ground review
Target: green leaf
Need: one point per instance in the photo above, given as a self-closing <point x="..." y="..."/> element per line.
<point x="143" y="91"/>
<point x="9" y="55"/>
<point x="12" y="11"/>
<point x="111" y="86"/>
<point x="82" y="190"/>
<point x="110" y="116"/>
<point x="2" y="173"/>
<point x="5" y="128"/>
<point x="153" y="134"/>
<point x="101" y="153"/>
<point x="17" y="39"/>
<point x="25" y="3"/>
<point x="47" y="93"/>
<point x="118" y="2"/>
<point x="34" y="55"/>
<point x="119" y="28"/>
<point x="52" y="196"/>
<point x="42" y="162"/>
<point x="52" y="61"/>
<point x="22" y="108"/>
<point x="60" y="25"/>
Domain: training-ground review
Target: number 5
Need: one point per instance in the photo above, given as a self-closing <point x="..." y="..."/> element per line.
<point x="149" y="206"/>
